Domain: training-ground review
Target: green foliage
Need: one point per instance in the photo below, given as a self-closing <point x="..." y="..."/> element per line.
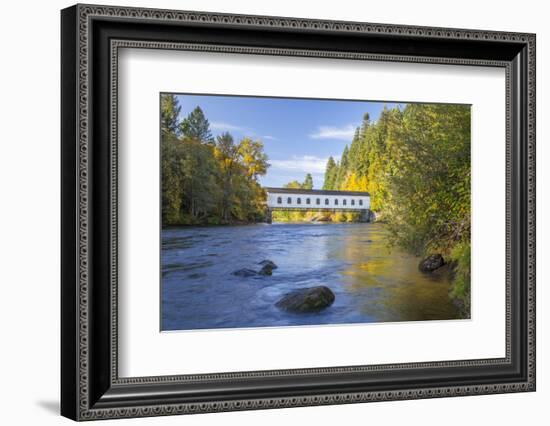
<point x="343" y="169"/>
<point x="330" y="174"/>
<point x="428" y="190"/>
<point x="196" y="126"/>
<point x="308" y="182"/>
<point x="415" y="163"/>
<point x="294" y="184"/>
<point x="296" y="216"/>
<point x="206" y="181"/>
<point x="188" y="180"/>
<point x="169" y="111"/>
<point x="460" y="256"/>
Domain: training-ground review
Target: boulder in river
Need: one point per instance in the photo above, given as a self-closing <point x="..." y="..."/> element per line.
<point x="312" y="299"/>
<point x="323" y="218"/>
<point x="269" y="263"/>
<point x="267" y="269"/>
<point x="431" y="263"/>
<point x="245" y="272"/>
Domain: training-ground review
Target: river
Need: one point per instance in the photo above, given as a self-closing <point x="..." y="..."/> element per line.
<point x="371" y="282"/>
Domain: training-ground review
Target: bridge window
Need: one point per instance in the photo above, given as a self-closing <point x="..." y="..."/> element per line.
<point x="352" y="202"/>
<point x="326" y="201"/>
<point x="289" y="200"/>
<point x="336" y="201"/>
<point x="299" y="200"/>
<point x="318" y="201"/>
<point x="279" y="200"/>
<point x="308" y="201"/>
<point x="344" y="202"/>
<point x="360" y="202"/>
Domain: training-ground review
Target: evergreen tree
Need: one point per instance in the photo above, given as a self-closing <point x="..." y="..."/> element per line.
<point x="208" y="183"/>
<point x="196" y="126"/>
<point x="226" y="153"/>
<point x="359" y="156"/>
<point x="354" y="150"/>
<point x="365" y="123"/>
<point x="343" y="169"/>
<point x="199" y="186"/>
<point x="308" y="182"/>
<point x="169" y="112"/>
<point x="415" y="163"/>
<point x="330" y="174"/>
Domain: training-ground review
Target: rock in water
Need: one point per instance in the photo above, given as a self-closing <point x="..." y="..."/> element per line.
<point x="245" y="272"/>
<point x="267" y="269"/>
<point x="268" y="262"/>
<point x="431" y="263"/>
<point x="312" y="299"/>
<point x="323" y="219"/>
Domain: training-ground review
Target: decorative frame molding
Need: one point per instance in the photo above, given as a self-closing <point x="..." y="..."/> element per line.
<point x="91" y="38"/>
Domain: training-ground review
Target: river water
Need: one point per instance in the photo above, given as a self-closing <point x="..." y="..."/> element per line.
<point x="371" y="283"/>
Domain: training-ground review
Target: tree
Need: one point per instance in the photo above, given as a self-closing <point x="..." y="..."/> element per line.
<point x="206" y="181"/>
<point x="415" y="163"/>
<point x="250" y="194"/>
<point x="308" y="182"/>
<point x="199" y="187"/>
<point x="253" y="157"/>
<point x="294" y="184"/>
<point x="365" y="124"/>
<point x="227" y="154"/>
<point x="343" y="168"/>
<point x="430" y="178"/>
<point x="196" y="126"/>
<point x="331" y="172"/>
<point x="171" y="179"/>
<point x="169" y="113"/>
<point x="354" y="149"/>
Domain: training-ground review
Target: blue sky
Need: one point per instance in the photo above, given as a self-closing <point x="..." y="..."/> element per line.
<point x="298" y="134"/>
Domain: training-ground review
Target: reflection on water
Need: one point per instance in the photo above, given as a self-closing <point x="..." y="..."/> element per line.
<point x="371" y="283"/>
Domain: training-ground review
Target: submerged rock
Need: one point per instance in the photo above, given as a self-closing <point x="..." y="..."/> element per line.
<point x="245" y="272"/>
<point x="305" y="300"/>
<point x="267" y="269"/>
<point x="324" y="219"/>
<point x="196" y="275"/>
<point x="431" y="263"/>
<point x="269" y="263"/>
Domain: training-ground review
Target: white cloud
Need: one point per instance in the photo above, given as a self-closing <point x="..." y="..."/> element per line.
<point x="218" y="125"/>
<point x="221" y="126"/>
<point x="328" y="132"/>
<point x="304" y="164"/>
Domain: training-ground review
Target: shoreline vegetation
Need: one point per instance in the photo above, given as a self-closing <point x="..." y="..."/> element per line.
<point x="414" y="160"/>
<point x="207" y="180"/>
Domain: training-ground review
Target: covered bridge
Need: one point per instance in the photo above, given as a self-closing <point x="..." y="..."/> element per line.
<point x="316" y="200"/>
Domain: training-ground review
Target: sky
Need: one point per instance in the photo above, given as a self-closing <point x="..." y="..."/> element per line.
<point x="298" y="135"/>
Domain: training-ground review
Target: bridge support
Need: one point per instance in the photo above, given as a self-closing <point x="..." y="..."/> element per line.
<point x="268" y="216"/>
<point x="365" y="216"/>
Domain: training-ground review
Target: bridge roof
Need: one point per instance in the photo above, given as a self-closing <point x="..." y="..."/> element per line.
<point x="315" y="191"/>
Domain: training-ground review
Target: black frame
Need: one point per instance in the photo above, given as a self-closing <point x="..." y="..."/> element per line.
<point x="90" y="386"/>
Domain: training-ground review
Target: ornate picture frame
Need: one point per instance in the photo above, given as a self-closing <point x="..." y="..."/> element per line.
<point x="91" y="39"/>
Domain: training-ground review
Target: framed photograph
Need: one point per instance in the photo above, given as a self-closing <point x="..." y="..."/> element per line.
<point x="264" y="212"/>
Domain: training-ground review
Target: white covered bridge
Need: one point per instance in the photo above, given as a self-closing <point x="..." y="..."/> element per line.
<point x="317" y="200"/>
